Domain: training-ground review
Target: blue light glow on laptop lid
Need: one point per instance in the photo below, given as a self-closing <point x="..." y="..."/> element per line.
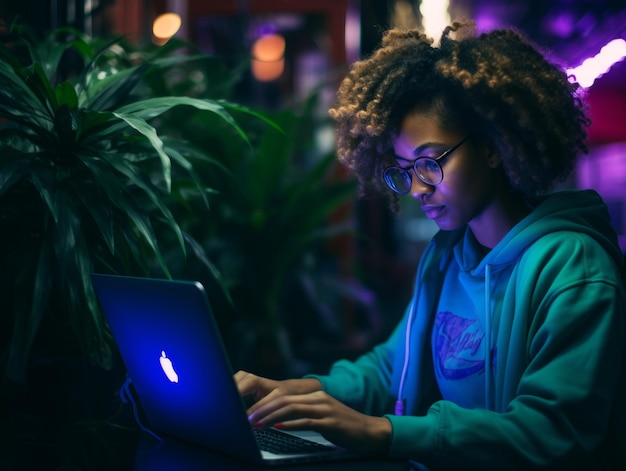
<point x="173" y="351"/>
<point x="183" y="379"/>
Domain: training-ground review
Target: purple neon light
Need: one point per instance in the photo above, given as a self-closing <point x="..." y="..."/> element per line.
<point x="593" y="67"/>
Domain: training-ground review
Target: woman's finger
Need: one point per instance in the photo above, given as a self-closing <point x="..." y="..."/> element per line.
<point x="277" y="407"/>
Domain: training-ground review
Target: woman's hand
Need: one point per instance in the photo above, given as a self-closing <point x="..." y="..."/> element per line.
<point x="301" y="405"/>
<point x="257" y="387"/>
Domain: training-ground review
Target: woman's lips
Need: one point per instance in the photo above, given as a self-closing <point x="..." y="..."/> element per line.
<point x="432" y="212"/>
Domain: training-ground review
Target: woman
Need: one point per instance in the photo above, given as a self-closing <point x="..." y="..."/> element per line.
<point x="511" y="352"/>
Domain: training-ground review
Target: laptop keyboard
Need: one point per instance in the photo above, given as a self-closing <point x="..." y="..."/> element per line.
<point x="277" y="442"/>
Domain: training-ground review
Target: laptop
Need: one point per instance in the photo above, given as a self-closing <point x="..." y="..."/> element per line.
<point x="175" y="358"/>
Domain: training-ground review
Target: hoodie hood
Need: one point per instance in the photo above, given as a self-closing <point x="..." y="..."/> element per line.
<point x="571" y="210"/>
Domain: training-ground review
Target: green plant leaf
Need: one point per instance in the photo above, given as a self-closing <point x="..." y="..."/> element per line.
<point x="90" y="326"/>
<point x="109" y="92"/>
<point x="49" y="51"/>
<point x="29" y="313"/>
<point x="108" y="174"/>
<point x="99" y="211"/>
<point x="66" y="95"/>
<point x="150" y="133"/>
<point x="14" y="169"/>
<point x="153" y="107"/>
<point x="185" y="164"/>
<point x="18" y="100"/>
<point x="141" y="223"/>
<point x="67" y="225"/>
<point x="65" y="128"/>
<point x="80" y="45"/>
<point x="201" y="254"/>
<point x="269" y="164"/>
<point x="91" y="123"/>
<point x="43" y="88"/>
<point x="45" y="183"/>
<point x="139" y="219"/>
<point x="244" y="109"/>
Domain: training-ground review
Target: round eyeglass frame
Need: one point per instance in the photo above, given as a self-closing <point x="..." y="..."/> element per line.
<point x="405" y="174"/>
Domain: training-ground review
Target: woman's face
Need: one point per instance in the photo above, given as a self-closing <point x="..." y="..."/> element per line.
<point x="469" y="185"/>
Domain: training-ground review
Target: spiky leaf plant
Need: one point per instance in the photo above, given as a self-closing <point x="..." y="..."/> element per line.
<point x="84" y="173"/>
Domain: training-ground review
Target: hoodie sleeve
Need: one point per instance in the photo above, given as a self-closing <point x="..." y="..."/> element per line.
<point x="365" y="383"/>
<point x="571" y="359"/>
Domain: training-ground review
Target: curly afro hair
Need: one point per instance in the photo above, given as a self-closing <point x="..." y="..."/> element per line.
<point x="498" y="86"/>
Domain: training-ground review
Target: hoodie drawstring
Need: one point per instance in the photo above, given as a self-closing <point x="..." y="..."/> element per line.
<point x="488" y="369"/>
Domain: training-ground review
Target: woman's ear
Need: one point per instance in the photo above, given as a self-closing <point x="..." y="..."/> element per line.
<point x="494" y="161"/>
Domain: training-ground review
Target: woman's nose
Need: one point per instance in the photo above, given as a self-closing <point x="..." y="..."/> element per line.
<point x="419" y="188"/>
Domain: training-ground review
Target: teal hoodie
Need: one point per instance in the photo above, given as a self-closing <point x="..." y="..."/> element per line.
<point x="554" y="311"/>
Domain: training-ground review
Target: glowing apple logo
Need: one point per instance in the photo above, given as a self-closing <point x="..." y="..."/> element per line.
<point x="168" y="368"/>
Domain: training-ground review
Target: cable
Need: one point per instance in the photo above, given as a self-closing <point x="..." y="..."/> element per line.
<point x="488" y="356"/>
<point x="399" y="408"/>
<point x="126" y="396"/>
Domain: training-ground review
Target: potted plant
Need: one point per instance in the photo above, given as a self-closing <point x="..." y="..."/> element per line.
<point x="84" y="177"/>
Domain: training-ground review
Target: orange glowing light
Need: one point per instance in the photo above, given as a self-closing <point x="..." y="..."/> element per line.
<point x="269" y="48"/>
<point x="267" y="71"/>
<point x="166" y="25"/>
<point x="268" y="57"/>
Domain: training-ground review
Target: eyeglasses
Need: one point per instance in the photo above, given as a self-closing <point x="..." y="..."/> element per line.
<point x="427" y="170"/>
